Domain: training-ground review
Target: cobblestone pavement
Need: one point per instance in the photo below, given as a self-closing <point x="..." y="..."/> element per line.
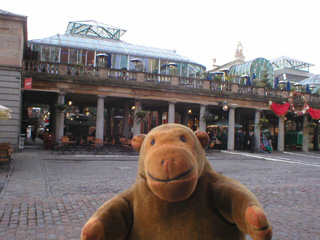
<point x="51" y="196"/>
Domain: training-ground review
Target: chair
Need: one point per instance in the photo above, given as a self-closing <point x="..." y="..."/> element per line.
<point x="67" y="145"/>
<point x="6" y="151"/>
<point x="90" y="139"/>
<point x="96" y="145"/>
<point x="8" y="147"/>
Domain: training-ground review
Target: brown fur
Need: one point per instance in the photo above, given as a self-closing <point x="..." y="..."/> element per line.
<point x="178" y="195"/>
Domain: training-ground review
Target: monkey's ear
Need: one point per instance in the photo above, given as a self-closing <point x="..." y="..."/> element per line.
<point x="203" y="138"/>
<point x="137" y="141"/>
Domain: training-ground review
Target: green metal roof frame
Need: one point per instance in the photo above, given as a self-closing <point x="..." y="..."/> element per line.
<point x="286" y="62"/>
<point x="254" y="67"/>
<point x="94" y="28"/>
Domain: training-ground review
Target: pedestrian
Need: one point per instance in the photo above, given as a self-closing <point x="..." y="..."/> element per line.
<point x="224" y="140"/>
<point x="251" y="141"/>
<point x="241" y="139"/>
<point x="246" y="140"/>
<point x="238" y="139"/>
<point x="33" y="134"/>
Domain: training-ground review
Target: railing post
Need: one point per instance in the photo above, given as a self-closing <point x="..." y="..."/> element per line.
<point x="140" y="77"/>
<point x="175" y="81"/>
<point x="103" y="73"/>
<point x="206" y="84"/>
<point x="63" y="69"/>
<point x="260" y="91"/>
<point x="285" y="94"/>
<point x="234" y="87"/>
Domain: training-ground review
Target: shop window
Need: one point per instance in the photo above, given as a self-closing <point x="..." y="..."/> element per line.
<point x="81" y="56"/>
<point x="73" y="56"/>
<point x="163" y="67"/>
<point x="55" y="56"/>
<point x="116" y="61"/>
<point x="45" y="54"/>
<point x="192" y="72"/>
<point x="184" y="72"/>
<point x="124" y="62"/>
<point x="154" y="65"/>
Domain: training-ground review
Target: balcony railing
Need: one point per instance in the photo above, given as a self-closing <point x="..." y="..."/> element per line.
<point x="116" y="74"/>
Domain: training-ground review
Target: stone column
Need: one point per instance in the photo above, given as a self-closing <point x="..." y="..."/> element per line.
<point x="231" y="128"/>
<point x="136" y="122"/>
<point x="125" y="126"/>
<point x="305" y="131"/>
<point x="171" y="112"/>
<point x="202" y="123"/>
<point x="257" y="131"/>
<point x="100" y="118"/>
<point x="281" y="134"/>
<point x="59" y="130"/>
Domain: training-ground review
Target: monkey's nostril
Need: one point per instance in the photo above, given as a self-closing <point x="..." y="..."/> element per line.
<point x="162" y="162"/>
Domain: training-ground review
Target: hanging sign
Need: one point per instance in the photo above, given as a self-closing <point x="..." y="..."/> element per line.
<point x="27" y="83"/>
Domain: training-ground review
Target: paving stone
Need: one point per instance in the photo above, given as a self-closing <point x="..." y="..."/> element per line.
<point x="52" y="196"/>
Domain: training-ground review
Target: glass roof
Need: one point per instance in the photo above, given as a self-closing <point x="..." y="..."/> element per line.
<point x="92" y="35"/>
<point x="254" y="68"/>
<point x="108" y="45"/>
<point x="314" y="80"/>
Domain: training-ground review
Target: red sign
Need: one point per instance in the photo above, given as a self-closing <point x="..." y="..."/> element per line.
<point x="27" y="83"/>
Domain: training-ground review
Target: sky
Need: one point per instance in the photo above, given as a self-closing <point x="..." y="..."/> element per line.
<point x="199" y="30"/>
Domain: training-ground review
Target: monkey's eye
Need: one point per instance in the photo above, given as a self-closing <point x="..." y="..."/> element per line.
<point x="183" y="139"/>
<point x="153" y="142"/>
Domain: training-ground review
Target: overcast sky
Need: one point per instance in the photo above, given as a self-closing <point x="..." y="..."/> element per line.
<point x="200" y="30"/>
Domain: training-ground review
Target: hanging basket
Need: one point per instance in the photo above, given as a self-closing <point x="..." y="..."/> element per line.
<point x="140" y="115"/>
<point x="312" y="125"/>
<point x="264" y="123"/>
<point x="208" y="117"/>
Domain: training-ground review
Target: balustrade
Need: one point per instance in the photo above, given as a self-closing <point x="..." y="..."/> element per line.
<point x="190" y="82"/>
<point x="247" y="89"/>
<point x="272" y="92"/>
<point x="222" y="86"/>
<point x="315" y="98"/>
<point x="156" y="78"/>
<point x="115" y="74"/>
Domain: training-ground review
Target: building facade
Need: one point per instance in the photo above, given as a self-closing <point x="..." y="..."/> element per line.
<point x="13" y="40"/>
<point x="89" y="82"/>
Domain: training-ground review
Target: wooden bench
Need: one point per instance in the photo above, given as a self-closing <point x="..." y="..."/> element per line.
<point x="6" y="151"/>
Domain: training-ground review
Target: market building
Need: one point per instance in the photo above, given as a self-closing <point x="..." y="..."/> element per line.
<point x="89" y="83"/>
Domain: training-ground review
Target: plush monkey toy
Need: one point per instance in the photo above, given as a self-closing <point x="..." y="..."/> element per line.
<point x="178" y="196"/>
